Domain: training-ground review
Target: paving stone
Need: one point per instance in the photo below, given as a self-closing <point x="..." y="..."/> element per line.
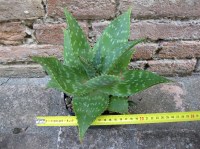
<point x="106" y="137"/>
<point x="119" y="137"/>
<point x="178" y="139"/>
<point x="182" y="95"/>
<point x="25" y="141"/>
<point x="21" y="71"/>
<point x="21" y="103"/>
<point x="23" y="99"/>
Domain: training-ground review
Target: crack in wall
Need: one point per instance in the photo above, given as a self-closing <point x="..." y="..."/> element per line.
<point x="117" y="12"/>
<point x="44" y="4"/>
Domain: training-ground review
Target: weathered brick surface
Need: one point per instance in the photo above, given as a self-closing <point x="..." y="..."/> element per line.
<point x="145" y="51"/>
<point x="157" y="29"/>
<point x="180" y="49"/>
<point x="18" y="71"/>
<point x="174" y="21"/>
<point x="172" y="67"/>
<point x="49" y="33"/>
<point x="138" y="65"/>
<point x="12" y="33"/>
<point x="165" y="29"/>
<point x="15" y="54"/>
<point x="84" y="9"/>
<point x="53" y="33"/>
<point x="98" y="28"/>
<point x="158" y="8"/>
<point x="23" y="9"/>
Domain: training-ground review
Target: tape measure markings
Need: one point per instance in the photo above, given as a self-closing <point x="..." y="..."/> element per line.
<point x="122" y="119"/>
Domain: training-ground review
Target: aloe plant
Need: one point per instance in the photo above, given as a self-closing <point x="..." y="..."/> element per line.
<point x="98" y="78"/>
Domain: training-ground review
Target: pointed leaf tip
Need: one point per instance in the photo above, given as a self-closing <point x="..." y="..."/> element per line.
<point x="130" y="10"/>
<point x="78" y="40"/>
<point x="115" y="34"/>
<point x="87" y="109"/>
<point x="135" y="81"/>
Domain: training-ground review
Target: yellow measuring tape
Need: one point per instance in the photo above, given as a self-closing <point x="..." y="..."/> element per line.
<point x="122" y="119"/>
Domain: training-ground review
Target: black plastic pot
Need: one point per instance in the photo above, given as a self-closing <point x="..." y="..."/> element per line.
<point x="68" y="103"/>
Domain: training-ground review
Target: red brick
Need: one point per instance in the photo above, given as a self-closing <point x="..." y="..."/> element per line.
<point x="158" y="8"/>
<point x="17" y="71"/>
<point x="53" y="33"/>
<point x="145" y="51"/>
<point x="172" y="67"/>
<point x="84" y="9"/>
<point x="98" y="28"/>
<point x="180" y="49"/>
<point x="138" y="65"/>
<point x="16" y="54"/>
<point x="23" y="9"/>
<point x="157" y="29"/>
<point x="165" y="29"/>
<point x="12" y="33"/>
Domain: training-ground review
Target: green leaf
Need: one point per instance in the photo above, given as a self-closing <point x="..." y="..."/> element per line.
<point x="117" y="56"/>
<point x="79" y="43"/>
<point x="88" y="66"/>
<point x="118" y="104"/>
<point x="98" y="61"/>
<point x="122" y="63"/>
<point x="87" y="109"/>
<point x="134" y="81"/>
<point x="53" y="84"/>
<point x="63" y="77"/>
<point x="99" y="83"/>
<point x="117" y="32"/>
<point x="70" y="59"/>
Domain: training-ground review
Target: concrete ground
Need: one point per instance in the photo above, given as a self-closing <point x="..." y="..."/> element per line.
<point x="21" y="100"/>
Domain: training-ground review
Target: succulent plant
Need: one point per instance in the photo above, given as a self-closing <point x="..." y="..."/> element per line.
<point x="98" y="78"/>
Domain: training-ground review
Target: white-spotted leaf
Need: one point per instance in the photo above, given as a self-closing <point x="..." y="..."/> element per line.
<point x="70" y="59"/>
<point x="87" y="109"/>
<point x="134" y="81"/>
<point x="113" y="58"/>
<point x="99" y="83"/>
<point x="118" y="104"/>
<point x="98" y="78"/>
<point x="78" y="40"/>
<point x="88" y="66"/>
<point x="116" y="33"/>
<point x="63" y="77"/>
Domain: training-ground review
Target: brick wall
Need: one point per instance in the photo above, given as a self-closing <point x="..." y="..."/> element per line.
<point x="34" y="27"/>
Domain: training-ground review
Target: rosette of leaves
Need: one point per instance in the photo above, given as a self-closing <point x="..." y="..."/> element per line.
<point x="98" y="78"/>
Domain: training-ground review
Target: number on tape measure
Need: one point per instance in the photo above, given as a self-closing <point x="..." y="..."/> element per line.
<point x="122" y="119"/>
